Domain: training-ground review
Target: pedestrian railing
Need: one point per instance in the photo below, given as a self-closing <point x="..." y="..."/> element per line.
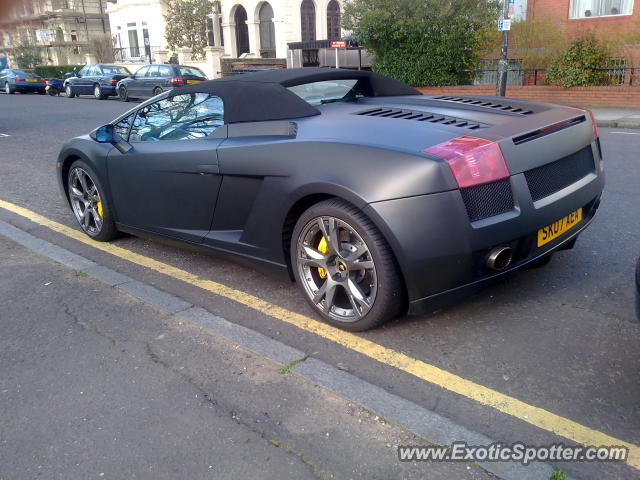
<point x="618" y="76"/>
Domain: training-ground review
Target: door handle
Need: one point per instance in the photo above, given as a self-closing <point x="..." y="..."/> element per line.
<point x="207" y="169"/>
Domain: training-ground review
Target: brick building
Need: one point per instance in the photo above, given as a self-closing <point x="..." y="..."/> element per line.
<point x="607" y="19"/>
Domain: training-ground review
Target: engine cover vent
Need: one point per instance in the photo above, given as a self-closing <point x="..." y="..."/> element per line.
<point x="417" y="116"/>
<point x="503" y="107"/>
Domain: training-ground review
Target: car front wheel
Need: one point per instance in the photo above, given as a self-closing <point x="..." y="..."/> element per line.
<point x="123" y="94"/>
<point x="345" y="268"/>
<point x="88" y="202"/>
<point x="69" y="92"/>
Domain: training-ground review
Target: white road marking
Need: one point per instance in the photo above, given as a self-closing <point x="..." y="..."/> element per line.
<point x="4" y="135"/>
<point x="625" y="133"/>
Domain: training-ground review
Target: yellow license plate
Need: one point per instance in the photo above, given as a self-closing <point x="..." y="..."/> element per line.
<point x="193" y="81"/>
<point x="557" y="228"/>
<point x="31" y="80"/>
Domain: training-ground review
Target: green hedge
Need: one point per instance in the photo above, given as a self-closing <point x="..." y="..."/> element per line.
<point x="54" y="71"/>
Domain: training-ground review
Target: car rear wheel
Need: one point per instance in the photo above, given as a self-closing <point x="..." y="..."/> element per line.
<point x="69" y="92"/>
<point x="345" y="268"/>
<point x="157" y="91"/>
<point x="88" y="202"/>
<point x="123" y="94"/>
<point x="7" y="89"/>
<point x="97" y="92"/>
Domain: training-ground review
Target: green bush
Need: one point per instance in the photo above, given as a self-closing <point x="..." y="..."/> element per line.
<point x="423" y="42"/>
<point x="581" y="65"/>
<point x="54" y="71"/>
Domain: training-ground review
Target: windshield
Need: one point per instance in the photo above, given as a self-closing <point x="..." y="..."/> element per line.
<point x="110" y="69"/>
<point x="318" y="93"/>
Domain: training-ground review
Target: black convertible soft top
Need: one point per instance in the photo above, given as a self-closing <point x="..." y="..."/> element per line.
<point x="254" y="97"/>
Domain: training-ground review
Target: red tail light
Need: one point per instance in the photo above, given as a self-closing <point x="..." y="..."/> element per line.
<point x="42" y="80"/>
<point x="177" y="81"/>
<point x="19" y="79"/>
<point x="472" y="160"/>
<point x="113" y="82"/>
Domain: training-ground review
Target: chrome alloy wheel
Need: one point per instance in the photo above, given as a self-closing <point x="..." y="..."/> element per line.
<point x="336" y="269"/>
<point x="85" y="201"/>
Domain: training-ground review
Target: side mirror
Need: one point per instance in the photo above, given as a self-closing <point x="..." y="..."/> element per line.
<point x="69" y="75"/>
<point x="106" y="134"/>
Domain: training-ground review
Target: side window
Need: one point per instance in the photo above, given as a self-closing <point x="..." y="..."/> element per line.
<point x="182" y="117"/>
<point x="165" y="71"/>
<point x="84" y="71"/>
<point x="153" y="71"/>
<point x="142" y="72"/>
<point x="123" y="126"/>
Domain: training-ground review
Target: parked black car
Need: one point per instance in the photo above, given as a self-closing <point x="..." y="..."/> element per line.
<point x="373" y="197"/>
<point x="152" y="80"/>
<point x="97" y="80"/>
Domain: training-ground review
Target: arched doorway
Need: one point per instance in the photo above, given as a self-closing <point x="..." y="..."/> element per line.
<point x="267" y="32"/>
<point x="308" y="32"/>
<point x="242" y="30"/>
<point x="333" y="21"/>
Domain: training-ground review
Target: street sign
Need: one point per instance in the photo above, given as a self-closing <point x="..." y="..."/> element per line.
<point x="338" y="44"/>
<point x="504" y="24"/>
<point x="43" y="35"/>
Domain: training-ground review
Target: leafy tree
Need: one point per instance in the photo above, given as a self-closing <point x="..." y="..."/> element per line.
<point x="581" y="64"/>
<point x="423" y="42"/>
<point x="27" y="55"/>
<point x="186" y="25"/>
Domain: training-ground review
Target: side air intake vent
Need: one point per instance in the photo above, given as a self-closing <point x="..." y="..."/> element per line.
<point x="422" y="117"/>
<point x="503" y="107"/>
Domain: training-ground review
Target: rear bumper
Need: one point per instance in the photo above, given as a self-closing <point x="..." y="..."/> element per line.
<point x="29" y="87"/>
<point x="442" y="253"/>
<point x="109" y="90"/>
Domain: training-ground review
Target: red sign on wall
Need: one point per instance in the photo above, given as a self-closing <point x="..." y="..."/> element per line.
<point x="338" y="44"/>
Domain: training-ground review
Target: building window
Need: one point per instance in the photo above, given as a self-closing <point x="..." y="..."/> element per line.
<point x="333" y="21"/>
<point x="599" y="8"/>
<point x="308" y="21"/>
<point x="211" y="42"/>
<point x="242" y="31"/>
<point x="267" y="32"/>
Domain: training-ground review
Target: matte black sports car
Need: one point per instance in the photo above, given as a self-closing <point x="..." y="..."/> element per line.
<point x="373" y="197"/>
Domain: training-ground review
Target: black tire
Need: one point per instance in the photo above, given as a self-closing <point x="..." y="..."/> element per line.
<point x="8" y="90"/>
<point x="69" y="91"/>
<point x="123" y="95"/>
<point x="157" y="91"/>
<point x="108" y="230"/>
<point x="53" y="92"/>
<point x="390" y="296"/>
<point x="97" y="92"/>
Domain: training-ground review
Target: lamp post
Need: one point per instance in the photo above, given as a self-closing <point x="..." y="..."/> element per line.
<point x="503" y="64"/>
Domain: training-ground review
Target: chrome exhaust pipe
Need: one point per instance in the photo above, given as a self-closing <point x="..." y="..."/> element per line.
<point x="500" y="258"/>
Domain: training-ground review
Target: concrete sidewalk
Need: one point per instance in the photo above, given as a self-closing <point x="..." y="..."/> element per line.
<point x="617" y="117"/>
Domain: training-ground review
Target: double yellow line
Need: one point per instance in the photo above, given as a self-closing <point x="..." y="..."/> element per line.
<point x="486" y="396"/>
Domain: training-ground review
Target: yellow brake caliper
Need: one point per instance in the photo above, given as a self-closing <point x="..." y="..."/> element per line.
<point x="323" y="248"/>
<point x="99" y="204"/>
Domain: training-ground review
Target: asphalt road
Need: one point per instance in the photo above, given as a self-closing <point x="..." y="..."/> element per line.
<point x="563" y="337"/>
